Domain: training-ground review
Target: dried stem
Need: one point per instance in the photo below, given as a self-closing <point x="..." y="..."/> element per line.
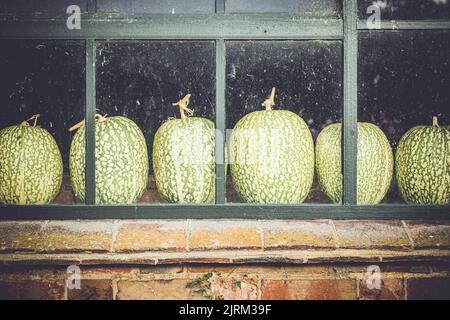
<point x="435" y="122"/>
<point x="81" y="124"/>
<point x="184" y="110"/>
<point x="35" y="118"/>
<point x="270" y="101"/>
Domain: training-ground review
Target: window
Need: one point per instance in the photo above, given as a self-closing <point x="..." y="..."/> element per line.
<point x="156" y="6"/>
<point x="308" y="79"/>
<point x="44" y="77"/>
<point x="128" y="70"/>
<point x="311" y="8"/>
<point x="407" y="10"/>
<point x="403" y="83"/>
<point x="136" y="58"/>
<point x="40" y="8"/>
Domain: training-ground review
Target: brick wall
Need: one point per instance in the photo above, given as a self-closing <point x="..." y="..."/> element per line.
<point x="217" y="259"/>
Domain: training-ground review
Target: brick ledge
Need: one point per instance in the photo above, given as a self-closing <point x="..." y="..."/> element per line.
<point x="299" y="257"/>
<point x="212" y="235"/>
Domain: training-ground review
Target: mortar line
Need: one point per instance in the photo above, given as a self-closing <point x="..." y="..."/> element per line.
<point x="259" y="288"/>
<point x="115" y="231"/>
<point x="405" y="285"/>
<point x="114" y="287"/>
<point x="358" y="282"/>
<point x="66" y="292"/>
<point x="187" y="233"/>
<point x="44" y="225"/>
<point x="408" y="234"/>
<point x="261" y="235"/>
<point x="335" y="234"/>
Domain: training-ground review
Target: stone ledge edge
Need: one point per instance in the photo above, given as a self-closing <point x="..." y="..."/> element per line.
<point x="227" y="257"/>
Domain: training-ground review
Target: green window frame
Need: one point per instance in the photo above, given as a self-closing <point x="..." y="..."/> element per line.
<point x="219" y="27"/>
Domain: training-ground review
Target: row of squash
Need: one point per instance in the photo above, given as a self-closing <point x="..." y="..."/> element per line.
<point x="272" y="160"/>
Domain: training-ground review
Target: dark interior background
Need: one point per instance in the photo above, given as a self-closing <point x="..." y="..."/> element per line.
<point x="40" y="7"/>
<point x="313" y="8"/>
<point x="45" y="77"/>
<point x="404" y="80"/>
<point x="307" y="7"/>
<point x="307" y="75"/>
<point x="407" y="9"/>
<point x="156" y="6"/>
<point x="141" y="80"/>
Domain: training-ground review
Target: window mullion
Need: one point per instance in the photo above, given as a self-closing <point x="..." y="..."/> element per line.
<point x="91" y="6"/>
<point x="90" y="122"/>
<point x="349" y="128"/>
<point x="220" y="121"/>
<point x="220" y="6"/>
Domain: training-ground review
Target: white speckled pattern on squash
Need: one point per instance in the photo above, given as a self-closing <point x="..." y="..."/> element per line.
<point x="184" y="161"/>
<point x="31" y="166"/>
<point x="272" y="157"/>
<point x="423" y="165"/>
<point x="374" y="169"/>
<point x="121" y="162"/>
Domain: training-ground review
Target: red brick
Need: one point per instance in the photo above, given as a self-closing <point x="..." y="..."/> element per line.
<point x="234" y="287"/>
<point x="428" y="288"/>
<point x="32" y="290"/>
<point x="156" y="290"/>
<point x="274" y="290"/>
<point x="371" y="234"/>
<point x="92" y="290"/>
<point x="390" y="289"/>
<point x="151" y="236"/>
<point x="325" y="289"/>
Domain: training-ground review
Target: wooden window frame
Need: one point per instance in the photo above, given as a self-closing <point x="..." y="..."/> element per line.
<point x="220" y="27"/>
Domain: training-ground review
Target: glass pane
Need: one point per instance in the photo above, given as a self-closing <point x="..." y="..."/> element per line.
<point x="310" y="7"/>
<point x="46" y="78"/>
<point x="404" y="80"/>
<point x="40" y="7"/>
<point x="141" y="79"/>
<point x="406" y="10"/>
<point x="308" y="80"/>
<point x="156" y="6"/>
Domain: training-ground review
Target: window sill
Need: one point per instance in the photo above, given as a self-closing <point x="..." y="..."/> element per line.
<point x="154" y="242"/>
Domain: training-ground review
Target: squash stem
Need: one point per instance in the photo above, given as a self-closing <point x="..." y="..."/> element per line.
<point x="435" y="122"/>
<point x="34" y="117"/>
<point x="184" y="110"/>
<point x="270" y="101"/>
<point x="81" y="124"/>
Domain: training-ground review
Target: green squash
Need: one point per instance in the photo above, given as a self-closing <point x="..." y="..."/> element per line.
<point x="31" y="167"/>
<point x="183" y="158"/>
<point x="374" y="168"/>
<point x="272" y="156"/>
<point x="423" y="165"/>
<point x="121" y="161"/>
